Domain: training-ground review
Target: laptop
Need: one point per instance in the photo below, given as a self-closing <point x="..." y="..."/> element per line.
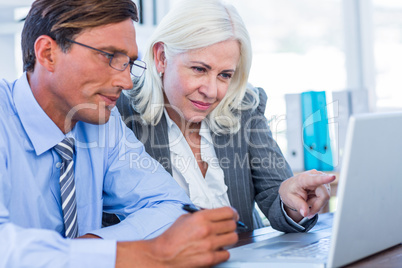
<point x="368" y="215"/>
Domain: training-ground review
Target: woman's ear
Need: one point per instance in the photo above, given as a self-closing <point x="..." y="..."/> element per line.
<point x="159" y="57"/>
<point x="45" y="52"/>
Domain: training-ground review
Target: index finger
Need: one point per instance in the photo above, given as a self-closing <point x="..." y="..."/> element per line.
<point x="315" y="180"/>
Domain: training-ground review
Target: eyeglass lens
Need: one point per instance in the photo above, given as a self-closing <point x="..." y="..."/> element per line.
<point x="120" y="62"/>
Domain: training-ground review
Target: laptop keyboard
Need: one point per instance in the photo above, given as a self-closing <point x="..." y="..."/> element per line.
<point x="316" y="250"/>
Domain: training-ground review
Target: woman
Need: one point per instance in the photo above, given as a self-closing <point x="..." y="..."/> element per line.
<point x="196" y="115"/>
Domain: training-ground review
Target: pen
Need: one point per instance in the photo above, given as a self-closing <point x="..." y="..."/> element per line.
<point x="193" y="208"/>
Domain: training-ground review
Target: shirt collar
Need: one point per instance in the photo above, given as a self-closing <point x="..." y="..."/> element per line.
<point x="205" y="132"/>
<point x="169" y="121"/>
<point x="41" y="130"/>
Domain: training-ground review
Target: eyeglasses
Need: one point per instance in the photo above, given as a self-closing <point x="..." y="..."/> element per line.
<point x="119" y="61"/>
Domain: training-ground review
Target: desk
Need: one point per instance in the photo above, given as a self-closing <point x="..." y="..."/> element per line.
<point x="390" y="258"/>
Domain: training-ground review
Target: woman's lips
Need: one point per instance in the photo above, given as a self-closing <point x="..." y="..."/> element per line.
<point x="201" y="105"/>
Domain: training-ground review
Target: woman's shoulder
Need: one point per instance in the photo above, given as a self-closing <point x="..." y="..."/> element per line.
<point x="256" y="98"/>
<point x="125" y="106"/>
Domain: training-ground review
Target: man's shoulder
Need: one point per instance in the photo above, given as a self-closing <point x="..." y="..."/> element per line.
<point x="6" y="98"/>
<point x="7" y="113"/>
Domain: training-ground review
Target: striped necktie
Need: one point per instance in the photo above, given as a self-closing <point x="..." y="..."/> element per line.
<point x="67" y="186"/>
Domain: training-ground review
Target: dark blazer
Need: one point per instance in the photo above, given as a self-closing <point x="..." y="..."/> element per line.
<point x="252" y="162"/>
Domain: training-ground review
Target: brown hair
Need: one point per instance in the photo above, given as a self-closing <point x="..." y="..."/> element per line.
<point x="63" y="19"/>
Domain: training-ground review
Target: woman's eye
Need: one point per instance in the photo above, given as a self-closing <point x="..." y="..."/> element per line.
<point x="198" y="69"/>
<point x="226" y="75"/>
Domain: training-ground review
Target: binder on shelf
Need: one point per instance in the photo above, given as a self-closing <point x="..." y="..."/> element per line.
<point x="295" y="151"/>
<point x="359" y="101"/>
<point x="316" y="141"/>
<point x="347" y="103"/>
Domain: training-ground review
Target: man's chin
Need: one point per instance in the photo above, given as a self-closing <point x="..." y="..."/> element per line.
<point x="102" y="121"/>
<point x="102" y="118"/>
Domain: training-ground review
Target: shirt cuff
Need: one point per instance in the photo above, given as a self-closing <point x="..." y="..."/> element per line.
<point x="299" y="226"/>
<point x="93" y="253"/>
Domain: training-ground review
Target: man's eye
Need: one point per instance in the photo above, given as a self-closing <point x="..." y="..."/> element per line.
<point x="108" y="56"/>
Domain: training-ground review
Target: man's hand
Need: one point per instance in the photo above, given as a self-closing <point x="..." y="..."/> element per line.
<point x="305" y="194"/>
<point x="194" y="240"/>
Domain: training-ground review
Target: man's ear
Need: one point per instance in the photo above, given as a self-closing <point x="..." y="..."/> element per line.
<point x="45" y="52"/>
<point x="159" y="57"/>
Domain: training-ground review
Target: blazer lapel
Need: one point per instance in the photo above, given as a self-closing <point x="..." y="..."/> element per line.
<point x="157" y="144"/>
<point x="232" y="153"/>
<point x="221" y="142"/>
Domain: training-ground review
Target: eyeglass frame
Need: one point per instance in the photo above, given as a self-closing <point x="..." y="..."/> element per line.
<point x="110" y="56"/>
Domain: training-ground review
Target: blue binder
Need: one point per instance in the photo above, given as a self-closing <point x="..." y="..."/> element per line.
<point x="316" y="142"/>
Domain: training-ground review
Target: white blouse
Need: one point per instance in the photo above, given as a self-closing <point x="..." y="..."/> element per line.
<point x="208" y="192"/>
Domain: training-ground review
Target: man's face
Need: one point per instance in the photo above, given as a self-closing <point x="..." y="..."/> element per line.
<point x="84" y="86"/>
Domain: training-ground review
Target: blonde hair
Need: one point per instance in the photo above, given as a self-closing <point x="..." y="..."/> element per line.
<point x="193" y="25"/>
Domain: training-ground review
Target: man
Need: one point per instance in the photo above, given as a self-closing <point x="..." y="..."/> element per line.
<point x="66" y="156"/>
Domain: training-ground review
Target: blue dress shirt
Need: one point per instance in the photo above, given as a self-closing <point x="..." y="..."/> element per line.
<point x="113" y="173"/>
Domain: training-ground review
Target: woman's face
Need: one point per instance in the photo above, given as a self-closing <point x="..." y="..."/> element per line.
<point x="195" y="82"/>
